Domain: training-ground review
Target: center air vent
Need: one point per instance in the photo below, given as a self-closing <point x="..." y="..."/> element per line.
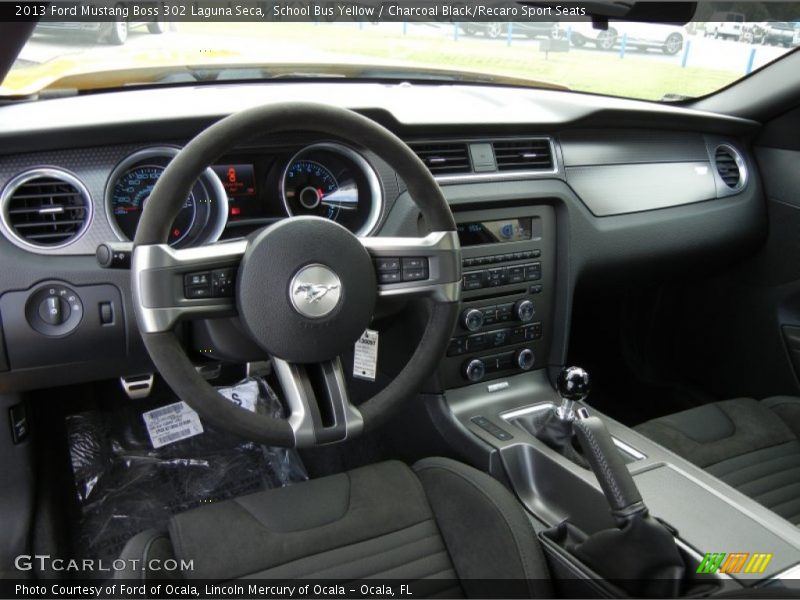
<point x="523" y="155"/>
<point x="45" y="208"/>
<point x="730" y="167"/>
<point x="443" y="158"/>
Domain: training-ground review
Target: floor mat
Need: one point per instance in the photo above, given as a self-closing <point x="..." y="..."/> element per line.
<point x="135" y="466"/>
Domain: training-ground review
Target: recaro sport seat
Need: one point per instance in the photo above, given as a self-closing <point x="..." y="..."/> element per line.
<point x="442" y="520"/>
<point x="753" y="446"/>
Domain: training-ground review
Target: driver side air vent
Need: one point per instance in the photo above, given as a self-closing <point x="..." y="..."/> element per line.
<point x="730" y="166"/>
<point x="523" y="155"/>
<point x="443" y="158"/>
<point x="45" y="208"/>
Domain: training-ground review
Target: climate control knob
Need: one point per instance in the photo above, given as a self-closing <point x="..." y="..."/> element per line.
<point x="472" y="319"/>
<point x="524" y="359"/>
<point x="475" y="370"/>
<point x="524" y="310"/>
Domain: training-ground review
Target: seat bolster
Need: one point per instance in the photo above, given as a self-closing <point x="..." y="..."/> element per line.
<point x="709" y="434"/>
<point x="485" y="528"/>
<point x="145" y="546"/>
<point x="787" y="408"/>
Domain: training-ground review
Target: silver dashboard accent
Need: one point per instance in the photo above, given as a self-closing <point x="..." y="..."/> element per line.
<point x="443" y="252"/>
<point x="208" y="179"/>
<point x="726" y="190"/>
<point x="496" y="175"/>
<point x="790" y="573"/>
<point x="158" y="269"/>
<point x="289" y="376"/>
<point x="315" y="291"/>
<point x="376" y="193"/>
<point x="29" y="175"/>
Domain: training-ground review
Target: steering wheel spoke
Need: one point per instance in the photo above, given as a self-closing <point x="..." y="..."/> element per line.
<point x="320" y="411"/>
<point x="429" y="266"/>
<point x="171" y="285"/>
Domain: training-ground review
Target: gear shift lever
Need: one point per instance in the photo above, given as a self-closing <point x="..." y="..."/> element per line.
<point x="645" y="542"/>
<point x="573" y="386"/>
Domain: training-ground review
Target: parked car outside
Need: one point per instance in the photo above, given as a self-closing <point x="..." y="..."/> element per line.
<point x="115" y="33"/>
<point x="496" y="29"/>
<point x="725" y="26"/>
<point x="669" y="39"/>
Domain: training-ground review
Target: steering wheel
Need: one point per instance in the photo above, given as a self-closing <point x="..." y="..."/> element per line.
<point x="281" y="274"/>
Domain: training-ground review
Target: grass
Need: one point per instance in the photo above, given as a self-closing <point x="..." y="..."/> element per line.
<point x="637" y="75"/>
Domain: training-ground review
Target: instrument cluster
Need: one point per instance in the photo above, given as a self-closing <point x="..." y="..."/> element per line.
<point x="248" y="190"/>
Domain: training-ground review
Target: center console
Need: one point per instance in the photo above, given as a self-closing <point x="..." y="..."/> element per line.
<point x="508" y="260"/>
<point x="703" y="514"/>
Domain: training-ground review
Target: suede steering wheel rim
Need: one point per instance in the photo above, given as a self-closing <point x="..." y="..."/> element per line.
<point x="268" y="264"/>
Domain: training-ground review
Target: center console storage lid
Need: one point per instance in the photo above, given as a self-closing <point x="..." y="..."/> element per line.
<point x="709" y="521"/>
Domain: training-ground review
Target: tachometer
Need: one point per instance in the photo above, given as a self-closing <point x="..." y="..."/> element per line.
<point x="130" y="193"/>
<point x="335" y="182"/>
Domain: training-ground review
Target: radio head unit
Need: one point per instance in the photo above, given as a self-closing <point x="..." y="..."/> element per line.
<point x="498" y="231"/>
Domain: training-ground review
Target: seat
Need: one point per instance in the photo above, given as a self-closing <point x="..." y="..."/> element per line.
<point x="443" y="522"/>
<point x="753" y="446"/>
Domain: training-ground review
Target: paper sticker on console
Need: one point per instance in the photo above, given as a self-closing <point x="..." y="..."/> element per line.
<point x="171" y="423"/>
<point x="365" y="361"/>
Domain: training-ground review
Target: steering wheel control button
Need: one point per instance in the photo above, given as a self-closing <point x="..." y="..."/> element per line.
<point x="524" y="310"/>
<point x="387" y="264"/>
<point x="306" y="289"/>
<point x="397" y="270"/>
<point x="54" y="310"/>
<point x="222" y="282"/>
<point x="315" y="291"/>
<point x="472" y="319"/>
<point x="475" y="370"/>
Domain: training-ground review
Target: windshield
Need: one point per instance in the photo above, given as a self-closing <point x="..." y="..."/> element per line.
<point x="636" y="60"/>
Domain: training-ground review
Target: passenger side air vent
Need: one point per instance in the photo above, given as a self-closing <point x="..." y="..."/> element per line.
<point x="443" y="158"/>
<point x="523" y="155"/>
<point x="45" y="208"/>
<point x="730" y="166"/>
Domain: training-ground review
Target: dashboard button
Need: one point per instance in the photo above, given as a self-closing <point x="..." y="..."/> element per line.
<point x="489" y="314"/>
<point x="415" y="274"/>
<point x="203" y="278"/>
<point x="457" y="346"/>
<point x="505" y="312"/>
<point x="473" y="281"/>
<point x="533" y="272"/>
<point x="476" y="342"/>
<point x="516" y="274"/>
<point x="498" y="337"/>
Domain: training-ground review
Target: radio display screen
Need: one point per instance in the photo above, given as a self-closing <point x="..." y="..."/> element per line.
<point x="495" y="232"/>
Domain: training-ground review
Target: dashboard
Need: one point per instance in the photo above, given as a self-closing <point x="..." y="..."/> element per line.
<point x="48" y="208"/>
<point x="549" y="191"/>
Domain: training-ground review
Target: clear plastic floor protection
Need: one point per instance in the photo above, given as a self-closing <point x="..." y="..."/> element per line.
<point x="126" y="485"/>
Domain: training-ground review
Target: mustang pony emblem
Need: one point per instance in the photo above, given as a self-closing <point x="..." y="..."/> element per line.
<point x="314" y="291"/>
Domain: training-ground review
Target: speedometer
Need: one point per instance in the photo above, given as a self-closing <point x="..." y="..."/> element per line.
<point x="130" y="193"/>
<point x="202" y="216"/>
<point x="335" y="182"/>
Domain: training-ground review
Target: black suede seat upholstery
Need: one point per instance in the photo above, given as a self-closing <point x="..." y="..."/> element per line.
<point x="441" y="521"/>
<point x="753" y="446"/>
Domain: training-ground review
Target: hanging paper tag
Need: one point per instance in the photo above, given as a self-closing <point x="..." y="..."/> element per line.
<point x="365" y="361"/>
